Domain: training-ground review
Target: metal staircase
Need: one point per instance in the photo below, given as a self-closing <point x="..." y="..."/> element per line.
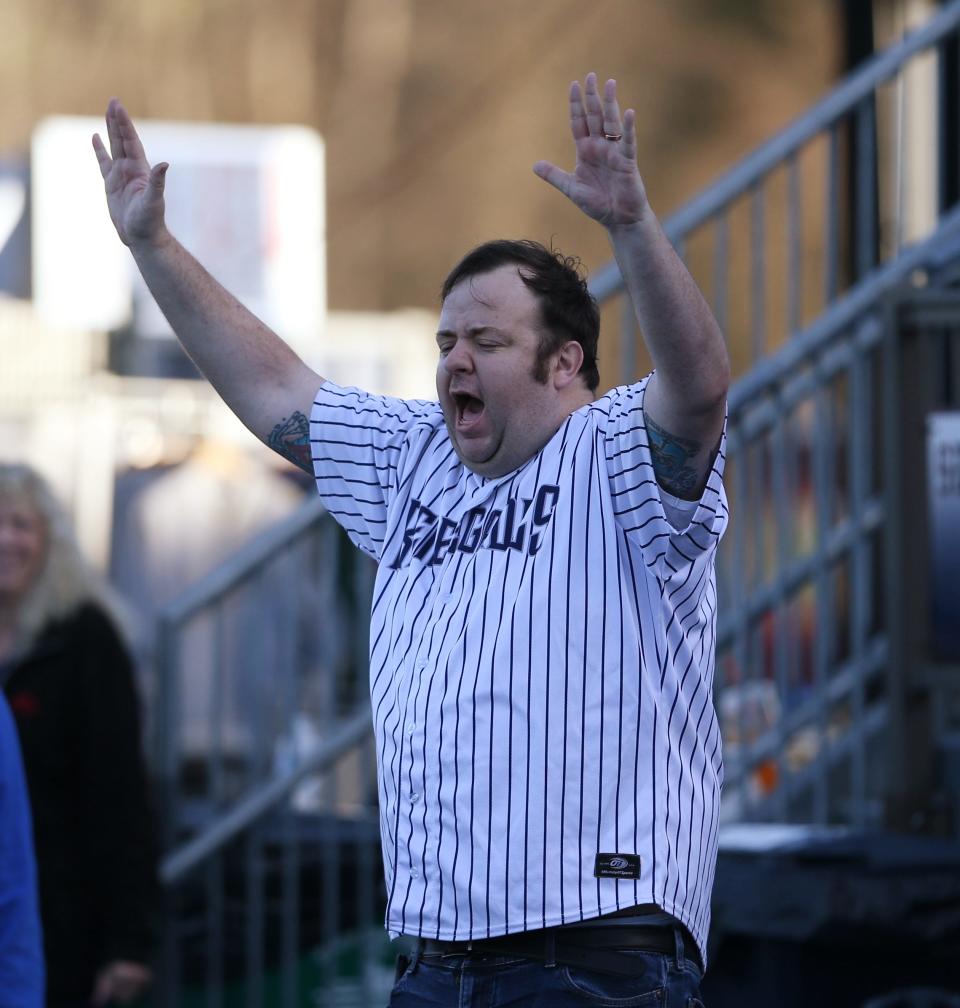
<point x="801" y="251"/>
<point x="812" y="250"/>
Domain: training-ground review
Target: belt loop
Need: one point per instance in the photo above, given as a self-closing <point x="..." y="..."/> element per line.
<point x="678" y="940"/>
<point x="417" y="955"/>
<point x="550" y="948"/>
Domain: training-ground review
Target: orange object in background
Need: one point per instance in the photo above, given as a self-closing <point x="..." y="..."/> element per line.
<point x="766" y="776"/>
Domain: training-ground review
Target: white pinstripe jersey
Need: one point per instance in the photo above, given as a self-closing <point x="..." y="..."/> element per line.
<point x="542" y="649"/>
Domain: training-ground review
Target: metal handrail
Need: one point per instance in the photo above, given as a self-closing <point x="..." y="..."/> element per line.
<point x="180" y="862"/>
<point x="244" y="563"/>
<point x="607" y="282"/>
<point x="842" y="313"/>
<point x="210" y="595"/>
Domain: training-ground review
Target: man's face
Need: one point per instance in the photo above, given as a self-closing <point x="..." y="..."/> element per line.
<point x="497" y="413"/>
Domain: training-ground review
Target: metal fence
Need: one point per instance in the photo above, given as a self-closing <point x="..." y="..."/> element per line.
<point x="256" y="663"/>
<point x="281" y="901"/>
<point x="809" y="582"/>
<point x="263" y="750"/>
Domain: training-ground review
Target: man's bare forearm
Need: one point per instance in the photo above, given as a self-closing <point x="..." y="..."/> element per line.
<point x="685" y="401"/>
<point x="259" y="377"/>
<point x="680" y="331"/>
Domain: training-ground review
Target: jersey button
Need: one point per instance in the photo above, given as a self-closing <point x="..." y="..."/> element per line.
<point x="414" y="873"/>
<point x="414" y="798"/>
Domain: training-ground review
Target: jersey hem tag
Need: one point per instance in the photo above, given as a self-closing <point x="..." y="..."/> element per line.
<point x="625" y="866"/>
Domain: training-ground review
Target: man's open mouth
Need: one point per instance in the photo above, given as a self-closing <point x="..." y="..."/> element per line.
<point x="469" y="408"/>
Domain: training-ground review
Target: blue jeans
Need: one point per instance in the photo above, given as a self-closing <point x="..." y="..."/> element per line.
<point x="478" y="981"/>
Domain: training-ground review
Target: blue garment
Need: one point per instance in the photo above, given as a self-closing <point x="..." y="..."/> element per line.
<point x="457" y="981"/>
<point x="21" y="958"/>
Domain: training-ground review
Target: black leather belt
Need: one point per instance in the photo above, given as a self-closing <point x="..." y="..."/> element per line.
<point x="595" y="947"/>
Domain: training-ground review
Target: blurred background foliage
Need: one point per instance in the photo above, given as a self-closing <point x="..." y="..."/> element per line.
<point x="432" y="110"/>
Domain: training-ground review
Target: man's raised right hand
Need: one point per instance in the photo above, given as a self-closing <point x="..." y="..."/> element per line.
<point x="134" y="189"/>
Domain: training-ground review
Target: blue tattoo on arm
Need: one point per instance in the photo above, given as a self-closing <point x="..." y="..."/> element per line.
<point x="670" y="457"/>
<point x="291" y="439"/>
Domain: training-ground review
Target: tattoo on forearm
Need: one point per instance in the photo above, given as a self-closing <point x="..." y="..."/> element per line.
<point x="291" y="439"/>
<point x="670" y="457"/>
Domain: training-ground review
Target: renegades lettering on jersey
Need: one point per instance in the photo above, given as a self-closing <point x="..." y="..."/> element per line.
<point x="519" y="526"/>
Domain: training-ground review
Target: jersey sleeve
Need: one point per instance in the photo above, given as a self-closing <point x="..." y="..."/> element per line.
<point x="637" y="497"/>
<point x="358" y="443"/>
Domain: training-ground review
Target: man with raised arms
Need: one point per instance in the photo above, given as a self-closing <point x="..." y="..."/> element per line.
<point x="543" y="625"/>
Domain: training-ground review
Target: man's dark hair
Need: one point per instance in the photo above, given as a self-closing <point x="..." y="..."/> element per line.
<point x="568" y="311"/>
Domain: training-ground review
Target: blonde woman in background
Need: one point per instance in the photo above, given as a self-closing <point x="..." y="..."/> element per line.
<point x="68" y="677"/>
